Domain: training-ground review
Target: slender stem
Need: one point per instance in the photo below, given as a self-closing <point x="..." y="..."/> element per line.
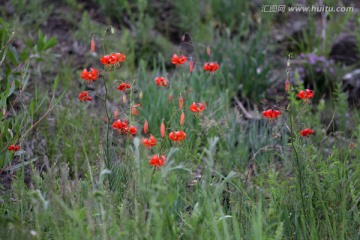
<point x="107" y="152"/>
<point x="299" y="167"/>
<point x="97" y="95"/>
<point x="292" y="136"/>
<point x="151" y="179"/>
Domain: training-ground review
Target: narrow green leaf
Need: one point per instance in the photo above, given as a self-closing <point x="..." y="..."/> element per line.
<point x="56" y="82"/>
<point x="52" y="42"/>
<point x="31" y="108"/>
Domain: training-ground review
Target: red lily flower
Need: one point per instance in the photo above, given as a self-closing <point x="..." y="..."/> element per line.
<point x="197" y="107"/>
<point x="307" y="132"/>
<point x="84" y="96"/>
<point x="120" y="57"/>
<point x="271" y="114"/>
<point x="178" y="60"/>
<point x="122" y="126"/>
<point x="158" y="160"/>
<point x="123" y="86"/>
<point x="149" y="142"/>
<point x="306" y="95"/>
<point x="177" y="136"/>
<point x="14" y="148"/>
<point x="211" y="66"/>
<point x="161" y="82"/>
<point x="131" y="130"/>
<point x="112" y="58"/>
<point x="107" y="59"/>
<point x="91" y="75"/>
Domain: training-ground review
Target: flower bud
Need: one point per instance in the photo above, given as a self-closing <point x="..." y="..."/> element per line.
<point x="92" y="45"/>
<point x="162" y="129"/>
<point x="191" y="66"/>
<point x="182" y="118"/>
<point x="146" y="126"/>
<point x="181" y="102"/>
<point x="116" y="113"/>
<point x="287" y="85"/>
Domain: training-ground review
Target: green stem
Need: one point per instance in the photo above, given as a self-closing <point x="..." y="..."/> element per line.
<point x="107" y="151"/>
<point x="299" y="167"/>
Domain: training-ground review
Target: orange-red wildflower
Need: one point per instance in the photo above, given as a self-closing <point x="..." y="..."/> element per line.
<point x="307" y="132"/>
<point x="178" y="60"/>
<point x="131" y="130"/>
<point x="197" y="107"/>
<point x="149" y="142"/>
<point x="112" y="58"/>
<point x="162" y="82"/>
<point x="123" y="86"/>
<point x="177" y="136"/>
<point x="120" y="125"/>
<point x="211" y="66"/>
<point x="84" y="96"/>
<point x="14" y="148"/>
<point x="91" y="75"/>
<point x="271" y="114"/>
<point x="306" y="95"/>
<point x="158" y="160"/>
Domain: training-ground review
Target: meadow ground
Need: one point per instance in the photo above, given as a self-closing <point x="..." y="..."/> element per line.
<point x="251" y="131"/>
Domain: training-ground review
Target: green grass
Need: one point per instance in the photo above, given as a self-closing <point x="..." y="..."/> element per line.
<point x="234" y="177"/>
